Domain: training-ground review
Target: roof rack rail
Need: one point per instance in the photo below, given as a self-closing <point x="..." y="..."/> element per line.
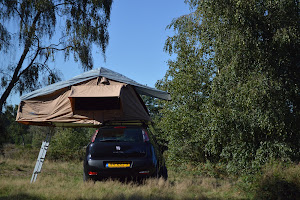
<point x="128" y="123"/>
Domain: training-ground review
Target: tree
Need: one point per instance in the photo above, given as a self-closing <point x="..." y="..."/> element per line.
<point x="249" y="54"/>
<point x="188" y="80"/>
<point x="40" y="37"/>
<point x="16" y="132"/>
<point x="255" y="97"/>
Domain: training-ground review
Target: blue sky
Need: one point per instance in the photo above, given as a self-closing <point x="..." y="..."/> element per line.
<point x="137" y="35"/>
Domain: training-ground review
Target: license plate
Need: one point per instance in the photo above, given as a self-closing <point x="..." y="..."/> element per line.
<point x="117" y="165"/>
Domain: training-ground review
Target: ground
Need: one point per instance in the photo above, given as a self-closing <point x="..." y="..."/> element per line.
<point x="63" y="180"/>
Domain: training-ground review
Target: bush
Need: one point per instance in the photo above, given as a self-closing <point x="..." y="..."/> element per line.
<point x="69" y="143"/>
<point x="38" y="135"/>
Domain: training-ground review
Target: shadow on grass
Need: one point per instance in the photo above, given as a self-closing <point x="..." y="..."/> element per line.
<point x="274" y="188"/>
<point x="21" y="196"/>
<point x="140" y="197"/>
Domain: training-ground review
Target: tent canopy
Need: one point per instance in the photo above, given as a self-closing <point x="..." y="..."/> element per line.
<point x="100" y="72"/>
<point x="89" y="99"/>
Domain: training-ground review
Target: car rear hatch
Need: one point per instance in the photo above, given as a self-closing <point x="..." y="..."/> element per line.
<point x="119" y="142"/>
<point x="117" y="149"/>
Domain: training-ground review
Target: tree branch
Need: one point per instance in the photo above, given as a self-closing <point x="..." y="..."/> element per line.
<point x="30" y="64"/>
<point x="15" y="76"/>
<point x="57" y="49"/>
<point x="19" y="14"/>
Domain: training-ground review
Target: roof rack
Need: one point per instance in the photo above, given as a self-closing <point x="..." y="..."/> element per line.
<point x="128" y="123"/>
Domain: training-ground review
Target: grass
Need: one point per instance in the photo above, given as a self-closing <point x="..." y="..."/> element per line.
<point x="278" y="182"/>
<point x="63" y="180"/>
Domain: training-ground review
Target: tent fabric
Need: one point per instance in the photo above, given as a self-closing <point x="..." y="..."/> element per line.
<point x="96" y="73"/>
<point x="57" y="107"/>
<point x="96" y="91"/>
<point x="87" y="97"/>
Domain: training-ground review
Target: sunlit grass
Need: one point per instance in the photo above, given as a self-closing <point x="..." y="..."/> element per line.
<point x="63" y="180"/>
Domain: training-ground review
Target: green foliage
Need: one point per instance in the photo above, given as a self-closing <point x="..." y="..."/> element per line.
<point x="253" y="123"/>
<point x="154" y="105"/>
<point x="38" y="135"/>
<point x="20" y="134"/>
<point x="66" y="143"/>
<point x="13" y="132"/>
<point x="235" y="84"/>
<point x="47" y="27"/>
<point x="188" y="80"/>
<point x="69" y="143"/>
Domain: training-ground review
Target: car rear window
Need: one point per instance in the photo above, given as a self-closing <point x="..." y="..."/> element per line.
<point x="120" y="134"/>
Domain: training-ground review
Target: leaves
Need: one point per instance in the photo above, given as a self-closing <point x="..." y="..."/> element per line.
<point x="77" y="25"/>
<point x="234" y="84"/>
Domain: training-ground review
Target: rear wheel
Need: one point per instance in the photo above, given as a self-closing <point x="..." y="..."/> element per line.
<point x="85" y="177"/>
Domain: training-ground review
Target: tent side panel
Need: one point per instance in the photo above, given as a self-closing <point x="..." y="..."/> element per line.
<point x="133" y="108"/>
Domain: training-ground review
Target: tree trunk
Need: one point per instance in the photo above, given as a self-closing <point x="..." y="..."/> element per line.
<point x="15" y="77"/>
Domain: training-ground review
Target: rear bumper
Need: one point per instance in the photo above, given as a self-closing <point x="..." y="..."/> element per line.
<point x="140" y="168"/>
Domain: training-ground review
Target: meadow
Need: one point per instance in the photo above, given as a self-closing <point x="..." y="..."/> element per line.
<point x="63" y="180"/>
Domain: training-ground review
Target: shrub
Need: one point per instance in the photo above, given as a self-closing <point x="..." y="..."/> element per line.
<point x="69" y="143"/>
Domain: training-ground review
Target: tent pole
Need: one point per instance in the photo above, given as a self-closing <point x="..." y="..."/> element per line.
<point x="42" y="154"/>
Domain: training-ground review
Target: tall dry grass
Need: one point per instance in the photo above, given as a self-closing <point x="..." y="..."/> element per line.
<point x="63" y="180"/>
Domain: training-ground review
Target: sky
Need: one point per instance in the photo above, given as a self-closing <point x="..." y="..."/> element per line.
<point x="137" y="35"/>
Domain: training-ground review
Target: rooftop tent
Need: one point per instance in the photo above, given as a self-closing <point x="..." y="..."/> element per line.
<point x="89" y="99"/>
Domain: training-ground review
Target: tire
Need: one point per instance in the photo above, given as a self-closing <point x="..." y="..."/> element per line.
<point x="85" y="177"/>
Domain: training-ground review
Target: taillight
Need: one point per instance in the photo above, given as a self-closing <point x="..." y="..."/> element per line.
<point x="145" y="136"/>
<point x="94" y="136"/>
<point x="93" y="173"/>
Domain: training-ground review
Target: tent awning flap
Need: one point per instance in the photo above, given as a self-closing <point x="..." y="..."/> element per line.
<point x="96" y="91"/>
<point x="104" y="97"/>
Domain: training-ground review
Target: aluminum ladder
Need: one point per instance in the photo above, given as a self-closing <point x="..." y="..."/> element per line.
<point x="41" y="158"/>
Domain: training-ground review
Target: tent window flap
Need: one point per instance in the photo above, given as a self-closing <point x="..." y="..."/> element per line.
<point x="96" y="103"/>
<point x="89" y="98"/>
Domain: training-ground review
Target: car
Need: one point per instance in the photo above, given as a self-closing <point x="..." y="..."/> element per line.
<point x="123" y="151"/>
